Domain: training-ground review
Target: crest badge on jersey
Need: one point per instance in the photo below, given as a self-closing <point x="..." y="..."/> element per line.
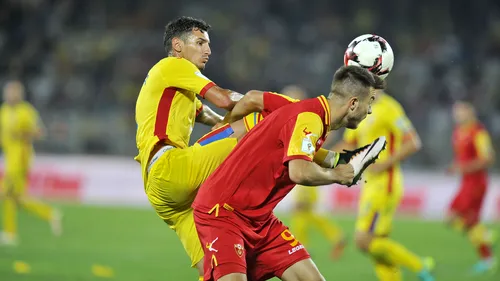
<point x="238" y="249"/>
<point x="307" y="144"/>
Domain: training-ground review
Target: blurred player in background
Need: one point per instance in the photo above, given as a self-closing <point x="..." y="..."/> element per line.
<point x="382" y="192"/>
<point x="304" y="215"/>
<point x="166" y="110"/>
<point x="20" y="126"/>
<point x="473" y="155"/>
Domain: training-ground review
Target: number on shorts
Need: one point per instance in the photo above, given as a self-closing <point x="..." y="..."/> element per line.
<point x="288" y="236"/>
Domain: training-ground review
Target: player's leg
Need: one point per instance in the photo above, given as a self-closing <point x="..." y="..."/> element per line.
<point x="372" y="228"/>
<point x="464" y="216"/>
<point x="12" y="189"/>
<point x="301" y="215"/>
<point x="386" y="271"/>
<point x="34" y="206"/>
<point x="281" y="255"/>
<point x="171" y="198"/>
<point x="186" y="231"/>
<point x="331" y="231"/>
<point x="9" y="221"/>
<point x="223" y="245"/>
<point x="173" y="180"/>
<point x="237" y="130"/>
<point x="304" y="217"/>
<point x="304" y="270"/>
<point x="43" y="211"/>
<point x="483" y="239"/>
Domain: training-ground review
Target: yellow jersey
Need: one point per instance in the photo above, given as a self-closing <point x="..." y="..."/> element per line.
<point x="387" y="119"/>
<point x="167" y="105"/>
<point x="15" y="122"/>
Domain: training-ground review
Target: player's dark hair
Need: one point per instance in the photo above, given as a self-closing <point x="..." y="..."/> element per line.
<point x="351" y="79"/>
<point x="179" y="27"/>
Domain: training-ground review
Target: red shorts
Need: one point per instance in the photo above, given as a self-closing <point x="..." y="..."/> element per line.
<point x="468" y="203"/>
<point x="231" y="245"/>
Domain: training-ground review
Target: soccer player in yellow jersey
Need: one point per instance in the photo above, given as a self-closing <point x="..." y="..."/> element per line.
<point x="304" y="216"/>
<point x="20" y="125"/>
<point x="382" y="192"/>
<point x="166" y="110"/>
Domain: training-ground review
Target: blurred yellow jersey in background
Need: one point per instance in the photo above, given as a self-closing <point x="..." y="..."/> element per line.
<point x="18" y="124"/>
<point x="381" y="193"/>
<point x="17" y="121"/>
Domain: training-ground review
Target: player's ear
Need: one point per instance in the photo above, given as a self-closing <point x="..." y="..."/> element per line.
<point x="177" y="44"/>
<point x="353" y="103"/>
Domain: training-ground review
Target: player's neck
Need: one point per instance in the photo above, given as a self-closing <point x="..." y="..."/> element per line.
<point x="338" y="111"/>
<point x="13" y="104"/>
<point x="469" y="123"/>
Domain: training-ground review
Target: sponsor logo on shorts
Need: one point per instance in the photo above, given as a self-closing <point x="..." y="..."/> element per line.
<point x="239" y="249"/>
<point x="295" y="249"/>
<point x="210" y="246"/>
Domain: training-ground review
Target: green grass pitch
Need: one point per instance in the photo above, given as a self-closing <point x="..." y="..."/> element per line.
<point x="140" y="247"/>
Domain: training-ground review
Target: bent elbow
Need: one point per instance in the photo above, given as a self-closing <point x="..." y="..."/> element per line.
<point x="255" y="101"/>
<point x="225" y="103"/>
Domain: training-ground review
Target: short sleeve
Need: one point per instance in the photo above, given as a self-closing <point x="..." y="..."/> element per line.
<point x="300" y="135"/>
<point x="273" y="101"/>
<point x="183" y="74"/>
<point x="398" y="121"/>
<point x="482" y="143"/>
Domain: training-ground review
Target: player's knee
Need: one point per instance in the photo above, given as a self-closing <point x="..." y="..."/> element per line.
<point x="363" y="240"/>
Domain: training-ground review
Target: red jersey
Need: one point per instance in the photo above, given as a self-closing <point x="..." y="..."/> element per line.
<point x="471" y="143"/>
<point x="272" y="101"/>
<point x="254" y="177"/>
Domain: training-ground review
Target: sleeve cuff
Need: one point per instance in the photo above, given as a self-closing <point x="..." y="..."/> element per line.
<point x="206" y="88"/>
<point x="293" y="157"/>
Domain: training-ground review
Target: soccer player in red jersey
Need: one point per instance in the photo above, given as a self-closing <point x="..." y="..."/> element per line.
<point x="473" y="155"/>
<point x="233" y="210"/>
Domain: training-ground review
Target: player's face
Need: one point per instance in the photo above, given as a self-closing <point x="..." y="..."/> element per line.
<point x="462" y="112"/>
<point x="359" y="108"/>
<point x="13" y="92"/>
<point x="196" y="48"/>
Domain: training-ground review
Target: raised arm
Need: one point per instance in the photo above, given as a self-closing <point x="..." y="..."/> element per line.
<point x="207" y="116"/>
<point x="222" y="98"/>
<point x="308" y="173"/>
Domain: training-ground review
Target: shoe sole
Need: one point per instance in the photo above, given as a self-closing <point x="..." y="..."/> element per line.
<point x="371" y="161"/>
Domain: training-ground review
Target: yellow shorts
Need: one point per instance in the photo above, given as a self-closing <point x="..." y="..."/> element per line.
<point x="173" y="182"/>
<point x="17" y="164"/>
<point x="377" y="208"/>
<point x="306" y="196"/>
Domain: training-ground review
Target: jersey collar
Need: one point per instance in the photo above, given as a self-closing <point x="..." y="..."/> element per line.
<point x="326" y="107"/>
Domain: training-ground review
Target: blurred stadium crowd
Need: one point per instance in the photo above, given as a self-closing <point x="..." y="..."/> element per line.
<point x="84" y="61"/>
